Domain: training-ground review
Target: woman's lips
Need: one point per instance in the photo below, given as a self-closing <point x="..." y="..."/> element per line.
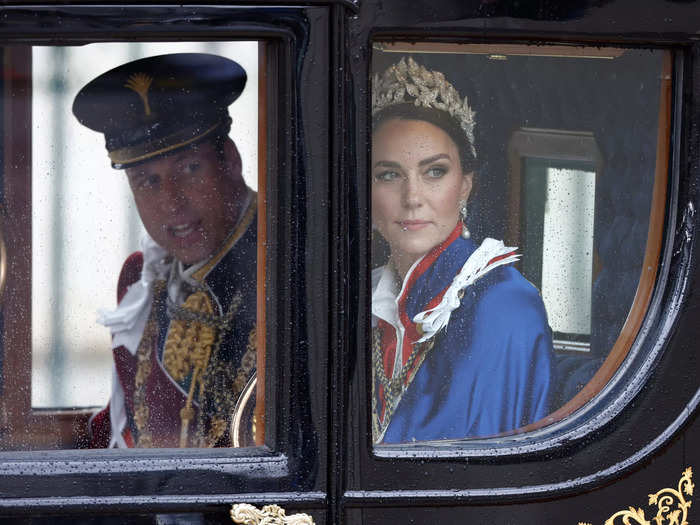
<point x="413" y="225"/>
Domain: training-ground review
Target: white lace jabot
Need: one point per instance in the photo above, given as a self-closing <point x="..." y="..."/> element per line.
<point x="128" y="320"/>
<point x="489" y="255"/>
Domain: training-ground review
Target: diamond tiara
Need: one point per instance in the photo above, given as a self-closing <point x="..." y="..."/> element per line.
<point x="407" y="81"/>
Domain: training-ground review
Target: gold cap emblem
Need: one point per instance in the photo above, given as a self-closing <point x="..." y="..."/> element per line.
<point x="140" y="83"/>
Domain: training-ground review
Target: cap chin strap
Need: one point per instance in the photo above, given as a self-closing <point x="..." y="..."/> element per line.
<point x="125" y="157"/>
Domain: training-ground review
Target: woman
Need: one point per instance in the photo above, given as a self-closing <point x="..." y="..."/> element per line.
<point x="461" y="346"/>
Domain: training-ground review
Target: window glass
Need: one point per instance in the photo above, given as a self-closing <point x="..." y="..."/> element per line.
<point x="143" y="161"/>
<point x="558" y="220"/>
<point x="517" y="205"/>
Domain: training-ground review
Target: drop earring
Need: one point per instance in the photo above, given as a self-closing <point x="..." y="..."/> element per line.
<point x="466" y="234"/>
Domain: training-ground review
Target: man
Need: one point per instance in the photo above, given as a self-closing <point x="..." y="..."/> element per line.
<point x="184" y="330"/>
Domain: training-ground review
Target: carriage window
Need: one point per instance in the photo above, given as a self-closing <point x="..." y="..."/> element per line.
<point x="131" y="178"/>
<point x="556" y="225"/>
<point x="518" y="197"/>
<point x="564" y="205"/>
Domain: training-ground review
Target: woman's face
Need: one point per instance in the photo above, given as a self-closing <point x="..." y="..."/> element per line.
<point x="417" y="183"/>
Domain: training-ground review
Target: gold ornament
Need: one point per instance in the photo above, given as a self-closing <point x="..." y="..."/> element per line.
<point x="140" y="83"/>
<point x="406" y="81"/>
<point x="269" y="515"/>
<point x="189" y="342"/>
<point x="664" y="500"/>
<point x="191" y="350"/>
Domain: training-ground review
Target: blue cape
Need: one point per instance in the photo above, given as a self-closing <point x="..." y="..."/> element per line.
<point x="490" y="370"/>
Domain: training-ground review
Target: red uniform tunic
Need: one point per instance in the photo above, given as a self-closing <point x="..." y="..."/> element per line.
<point x="155" y="382"/>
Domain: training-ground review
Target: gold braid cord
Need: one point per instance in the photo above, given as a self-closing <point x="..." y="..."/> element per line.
<point x="664" y="500"/>
<point x="189" y="342"/>
<point x="269" y="515"/>
<point x="143" y="371"/>
<point x="187" y="351"/>
<point x="219" y="385"/>
<point x="191" y="352"/>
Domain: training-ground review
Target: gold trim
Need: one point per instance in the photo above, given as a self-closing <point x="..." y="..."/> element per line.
<point x="149" y="340"/>
<point x="132" y="154"/>
<point x="663" y="499"/>
<point x="269" y="515"/>
<point x="238" y="412"/>
<point x="237" y="233"/>
<point x="552" y="51"/>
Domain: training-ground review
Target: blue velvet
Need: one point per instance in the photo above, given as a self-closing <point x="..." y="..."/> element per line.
<point x="491" y="370"/>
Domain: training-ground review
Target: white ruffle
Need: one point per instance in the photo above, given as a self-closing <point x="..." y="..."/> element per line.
<point x="128" y="320"/>
<point x="477" y="265"/>
<point x="117" y="412"/>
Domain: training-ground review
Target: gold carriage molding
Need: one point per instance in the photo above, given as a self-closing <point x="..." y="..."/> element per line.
<point x="671" y="503"/>
<point x="269" y="515"/>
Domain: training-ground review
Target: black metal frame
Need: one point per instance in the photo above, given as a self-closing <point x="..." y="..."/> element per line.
<point x="288" y="468"/>
<point x="610" y="437"/>
<point x="318" y="456"/>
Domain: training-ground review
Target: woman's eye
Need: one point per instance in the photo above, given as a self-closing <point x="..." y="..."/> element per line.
<point x="436" y="172"/>
<point x="385" y="176"/>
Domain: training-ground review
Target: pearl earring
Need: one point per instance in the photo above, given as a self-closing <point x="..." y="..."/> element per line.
<point x="466" y="234"/>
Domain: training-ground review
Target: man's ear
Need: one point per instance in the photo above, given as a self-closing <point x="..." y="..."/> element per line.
<point x="232" y="159"/>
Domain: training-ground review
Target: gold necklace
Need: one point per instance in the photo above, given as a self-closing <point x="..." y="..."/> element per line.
<point x="395" y="386"/>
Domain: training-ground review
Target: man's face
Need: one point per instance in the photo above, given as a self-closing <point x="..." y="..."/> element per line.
<point x="189" y="201"/>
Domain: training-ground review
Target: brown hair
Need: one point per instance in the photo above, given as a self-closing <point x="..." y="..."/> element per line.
<point x="441" y="119"/>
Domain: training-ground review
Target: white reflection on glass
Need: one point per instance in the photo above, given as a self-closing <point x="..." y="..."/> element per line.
<point x="567" y="249"/>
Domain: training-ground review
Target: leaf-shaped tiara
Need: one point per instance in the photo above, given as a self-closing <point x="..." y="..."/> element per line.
<point x="407" y="81"/>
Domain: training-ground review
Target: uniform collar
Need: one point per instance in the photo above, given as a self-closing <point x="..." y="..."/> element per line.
<point x="246" y="218"/>
<point x="185" y="278"/>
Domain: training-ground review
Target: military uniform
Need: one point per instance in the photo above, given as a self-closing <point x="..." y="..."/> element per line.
<point x="194" y="366"/>
<point x="184" y="337"/>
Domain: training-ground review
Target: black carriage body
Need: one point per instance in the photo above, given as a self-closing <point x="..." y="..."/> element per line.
<point x="638" y="435"/>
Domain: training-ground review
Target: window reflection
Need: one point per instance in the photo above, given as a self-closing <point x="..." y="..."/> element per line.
<point x="559" y="206"/>
<point x="567" y="249"/>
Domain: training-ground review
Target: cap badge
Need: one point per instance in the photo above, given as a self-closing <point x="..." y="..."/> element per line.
<point x="140" y="83"/>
